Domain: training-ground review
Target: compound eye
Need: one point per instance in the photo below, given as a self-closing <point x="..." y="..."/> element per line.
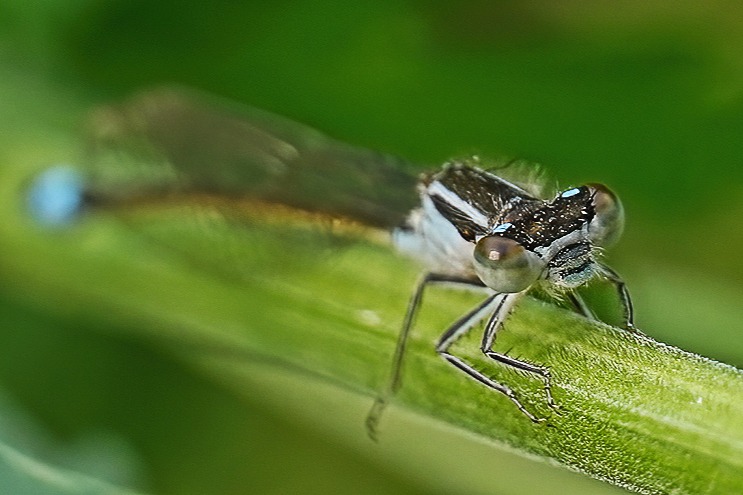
<point x="608" y="223"/>
<point x="504" y="265"/>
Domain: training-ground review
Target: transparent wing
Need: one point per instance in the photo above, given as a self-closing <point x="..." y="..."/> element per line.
<point x="169" y="141"/>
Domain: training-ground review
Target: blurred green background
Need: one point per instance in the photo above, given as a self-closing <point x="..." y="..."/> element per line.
<point x="645" y="96"/>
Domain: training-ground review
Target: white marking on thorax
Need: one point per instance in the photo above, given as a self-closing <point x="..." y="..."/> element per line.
<point x="434" y="241"/>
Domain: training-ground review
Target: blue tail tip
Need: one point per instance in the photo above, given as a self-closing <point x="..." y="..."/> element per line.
<point x="55" y="198"/>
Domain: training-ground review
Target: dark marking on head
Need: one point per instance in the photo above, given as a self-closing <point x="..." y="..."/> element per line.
<point x="553" y="220"/>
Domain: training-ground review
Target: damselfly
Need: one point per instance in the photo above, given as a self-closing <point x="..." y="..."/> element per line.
<point x="467" y="225"/>
<point x="476" y="229"/>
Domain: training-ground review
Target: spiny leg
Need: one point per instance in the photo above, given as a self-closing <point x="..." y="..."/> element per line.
<point x="580" y="305"/>
<point x="488" y="339"/>
<point x="395" y="379"/>
<point x="624" y="297"/>
<point x="499" y="304"/>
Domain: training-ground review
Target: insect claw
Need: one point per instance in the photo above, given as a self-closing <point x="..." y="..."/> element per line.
<point x="630" y="327"/>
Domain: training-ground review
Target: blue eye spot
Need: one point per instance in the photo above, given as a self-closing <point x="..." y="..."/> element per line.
<point x="502" y="227"/>
<point x="56" y="196"/>
<point x="570" y="192"/>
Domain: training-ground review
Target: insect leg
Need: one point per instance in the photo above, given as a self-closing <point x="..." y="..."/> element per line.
<point x="624" y="297"/>
<point x="395" y="379"/>
<point x="580" y="305"/>
<point x="488" y="338"/>
<point x="500" y="304"/>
